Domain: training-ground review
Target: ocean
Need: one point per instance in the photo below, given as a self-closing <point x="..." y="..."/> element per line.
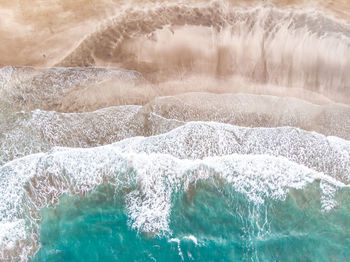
<point x="175" y="131"/>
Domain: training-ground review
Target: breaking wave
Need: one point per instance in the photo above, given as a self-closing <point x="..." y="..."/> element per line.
<point x="148" y="180"/>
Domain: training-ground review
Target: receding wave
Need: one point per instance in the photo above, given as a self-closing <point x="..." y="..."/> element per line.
<point x="28" y="88"/>
<point x="259" y="44"/>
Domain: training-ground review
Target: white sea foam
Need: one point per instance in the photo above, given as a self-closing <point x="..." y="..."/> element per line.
<point x="178" y="242"/>
<point x="192" y="238"/>
<point x="255" y="111"/>
<point x="39" y="131"/>
<point x="197" y="140"/>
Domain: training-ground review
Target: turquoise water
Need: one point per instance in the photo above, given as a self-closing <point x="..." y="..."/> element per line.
<point x="227" y="227"/>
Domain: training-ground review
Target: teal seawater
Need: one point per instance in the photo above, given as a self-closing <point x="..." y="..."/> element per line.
<point x="227" y="226"/>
